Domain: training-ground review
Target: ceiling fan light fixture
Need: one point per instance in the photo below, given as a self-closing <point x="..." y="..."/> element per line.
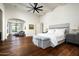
<point x="35" y="7"/>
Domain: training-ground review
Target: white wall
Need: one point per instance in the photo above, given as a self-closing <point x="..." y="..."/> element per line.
<point x="3" y="21"/>
<point x="0" y="21"/>
<point x="68" y="13"/>
<point x="29" y="18"/>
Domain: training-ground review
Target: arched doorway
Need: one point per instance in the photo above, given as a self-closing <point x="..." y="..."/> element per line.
<point x="14" y="25"/>
<point x="0" y="25"/>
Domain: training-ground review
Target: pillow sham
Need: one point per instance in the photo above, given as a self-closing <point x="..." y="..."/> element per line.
<point x="51" y="31"/>
<point x="59" y="32"/>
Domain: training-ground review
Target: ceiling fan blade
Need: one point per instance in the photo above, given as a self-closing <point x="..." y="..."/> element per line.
<point x="28" y="7"/>
<point x="37" y="10"/>
<point x="33" y="11"/>
<point x="31" y="5"/>
<point x="40" y="7"/>
<point x="35" y="4"/>
<point x="29" y="10"/>
<point x="25" y="5"/>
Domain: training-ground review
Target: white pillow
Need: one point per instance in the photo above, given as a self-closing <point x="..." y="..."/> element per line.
<point x="51" y="31"/>
<point x="59" y="32"/>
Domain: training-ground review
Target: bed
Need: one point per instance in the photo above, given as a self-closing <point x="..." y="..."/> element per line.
<point x="54" y="36"/>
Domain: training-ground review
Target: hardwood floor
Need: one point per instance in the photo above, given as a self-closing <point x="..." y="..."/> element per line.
<point x="23" y="46"/>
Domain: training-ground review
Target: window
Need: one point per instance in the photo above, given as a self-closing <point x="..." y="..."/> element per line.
<point x="16" y="27"/>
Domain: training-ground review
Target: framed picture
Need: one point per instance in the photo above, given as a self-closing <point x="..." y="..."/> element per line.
<point x="31" y="26"/>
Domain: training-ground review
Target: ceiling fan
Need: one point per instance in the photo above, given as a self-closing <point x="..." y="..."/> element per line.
<point x="34" y="7"/>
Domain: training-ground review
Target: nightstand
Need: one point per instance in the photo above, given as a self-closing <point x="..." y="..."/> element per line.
<point x="72" y="38"/>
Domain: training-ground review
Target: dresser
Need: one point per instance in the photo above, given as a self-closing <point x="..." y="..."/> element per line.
<point x="72" y="38"/>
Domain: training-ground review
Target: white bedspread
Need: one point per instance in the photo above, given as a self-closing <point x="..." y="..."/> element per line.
<point x="53" y="38"/>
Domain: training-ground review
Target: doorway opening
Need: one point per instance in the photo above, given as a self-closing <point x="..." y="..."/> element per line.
<point x="0" y="25"/>
<point x="14" y="26"/>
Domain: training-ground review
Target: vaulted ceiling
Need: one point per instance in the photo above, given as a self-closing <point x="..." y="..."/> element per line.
<point x="47" y="7"/>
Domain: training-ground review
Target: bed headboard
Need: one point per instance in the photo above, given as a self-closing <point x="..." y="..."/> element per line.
<point x="59" y="26"/>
